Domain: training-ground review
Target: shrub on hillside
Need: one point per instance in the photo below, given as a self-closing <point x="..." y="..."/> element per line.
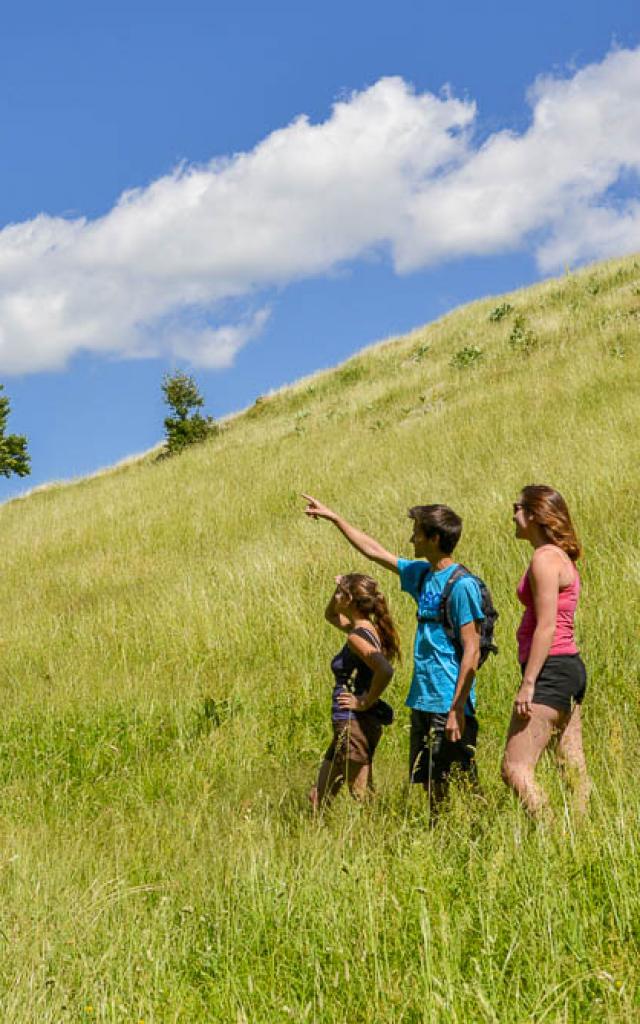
<point x="500" y="312"/>
<point x="419" y="352"/>
<point x="350" y="374"/>
<point x="467" y="356"/>
<point x="187" y="425"/>
<point x="522" y="338"/>
<point x="14" y="457"/>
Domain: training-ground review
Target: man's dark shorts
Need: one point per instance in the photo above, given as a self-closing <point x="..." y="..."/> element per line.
<point x="432" y="756"/>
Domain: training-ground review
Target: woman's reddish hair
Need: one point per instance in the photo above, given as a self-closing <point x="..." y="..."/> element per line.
<point x="550" y="512"/>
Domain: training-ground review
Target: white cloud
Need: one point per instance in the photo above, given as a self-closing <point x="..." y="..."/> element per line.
<point x="585" y="232"/>
<point x="585" y="133"/>
<point x="216" y="347"/>
<point x="389" y="170"/>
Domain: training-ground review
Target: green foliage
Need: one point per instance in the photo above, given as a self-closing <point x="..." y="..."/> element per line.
<point x="259" y="407"/>
<point x="351" y="373"/>
<point x="466" y="357"/>
<point x="500" y="312"/>
<point x="420" y="352"/>
<point x="299" y="424"/>
<point x="593" y="286"/>
<point x="522" y="338"/>
<point x="187" y="426"/>
<point x="14" y="457"/>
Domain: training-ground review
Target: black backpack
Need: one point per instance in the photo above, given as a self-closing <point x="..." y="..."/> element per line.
<point x="487" y="626"/>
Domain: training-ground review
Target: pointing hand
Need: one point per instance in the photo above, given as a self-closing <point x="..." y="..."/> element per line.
<point x="316" y="510"/>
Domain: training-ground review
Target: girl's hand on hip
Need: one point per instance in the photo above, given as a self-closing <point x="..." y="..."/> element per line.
<point x="350" y="702"/>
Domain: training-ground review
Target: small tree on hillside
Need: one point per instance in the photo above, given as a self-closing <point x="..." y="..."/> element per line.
<point x="14" y="457"/>
<point x="187" y="425"/>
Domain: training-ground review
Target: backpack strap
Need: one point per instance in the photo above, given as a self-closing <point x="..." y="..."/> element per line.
<point x="444" y="614"/>
<point x="487" y="645"/>
<point x="444" y="617"/>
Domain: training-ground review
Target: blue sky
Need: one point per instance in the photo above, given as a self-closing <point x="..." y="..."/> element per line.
<point x="430" y="170"/>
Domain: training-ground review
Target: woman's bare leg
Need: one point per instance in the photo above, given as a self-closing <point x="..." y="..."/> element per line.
<point x="330" y="780"/>
<point x="526" y="740"/>
<point x="570" y="754"/>
<point x="360" y="780"/>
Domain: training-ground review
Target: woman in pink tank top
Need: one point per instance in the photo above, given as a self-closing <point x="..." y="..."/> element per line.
<point x="553" y="683"/>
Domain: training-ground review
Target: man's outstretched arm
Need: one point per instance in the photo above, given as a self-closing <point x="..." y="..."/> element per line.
<point x="366" y="545"/>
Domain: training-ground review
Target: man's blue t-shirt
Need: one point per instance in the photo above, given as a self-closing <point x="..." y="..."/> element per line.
<point x="435" y="666"/>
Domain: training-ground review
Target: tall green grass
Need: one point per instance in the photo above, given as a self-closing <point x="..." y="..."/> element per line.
<point x="165" y="691"/>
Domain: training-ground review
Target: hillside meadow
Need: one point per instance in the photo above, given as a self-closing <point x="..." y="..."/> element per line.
<point x="165" y="702"/>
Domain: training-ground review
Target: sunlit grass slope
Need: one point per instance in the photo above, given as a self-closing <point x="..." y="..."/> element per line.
<point x="165" y="701"/>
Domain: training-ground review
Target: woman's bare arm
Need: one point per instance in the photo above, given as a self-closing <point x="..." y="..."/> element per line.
<point x="382" y="675"/>
<point x="544" y="577"/>
<point x="334" y="618"/>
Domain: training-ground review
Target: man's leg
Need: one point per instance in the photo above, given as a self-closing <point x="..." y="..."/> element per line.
<point x="436" y="784"/>
<point x="418" y="751"/>
<point x="448" y="758"/>
<point x="427" y="733"/>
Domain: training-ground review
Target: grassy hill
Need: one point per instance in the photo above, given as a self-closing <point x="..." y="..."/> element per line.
<point x="165" y="692"/>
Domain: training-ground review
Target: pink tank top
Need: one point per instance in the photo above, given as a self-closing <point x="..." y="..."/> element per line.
<point x="563" y="639"/>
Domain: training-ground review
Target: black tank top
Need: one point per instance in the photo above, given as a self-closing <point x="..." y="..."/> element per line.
<point x="352" y="673"/>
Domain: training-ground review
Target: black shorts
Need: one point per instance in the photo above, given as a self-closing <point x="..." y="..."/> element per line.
<point x="561" y="683"/>
<point x="433" y="756"/>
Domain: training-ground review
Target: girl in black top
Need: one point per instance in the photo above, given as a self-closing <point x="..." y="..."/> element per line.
<point x="361" y="671"/>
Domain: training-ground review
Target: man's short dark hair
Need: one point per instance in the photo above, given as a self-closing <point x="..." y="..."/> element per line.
<point x="441" y="521"/>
